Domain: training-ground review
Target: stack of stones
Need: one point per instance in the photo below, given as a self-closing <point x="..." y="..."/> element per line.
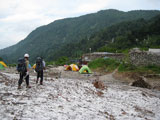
<point x="143" y="58"/>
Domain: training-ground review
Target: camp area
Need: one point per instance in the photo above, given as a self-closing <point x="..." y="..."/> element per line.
<point x="82" y="69"/>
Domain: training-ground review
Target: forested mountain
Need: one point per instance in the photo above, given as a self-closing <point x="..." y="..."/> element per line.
<point x="62" y="37"/>
<point x="117" y="38"/>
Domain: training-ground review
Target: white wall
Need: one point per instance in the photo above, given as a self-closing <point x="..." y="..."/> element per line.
<point x="154" y="50"/>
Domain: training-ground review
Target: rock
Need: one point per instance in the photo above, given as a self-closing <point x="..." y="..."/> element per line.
<point x="99" y="93"/>
<point x="99" y="85"/>
<point x="141" y="83"/>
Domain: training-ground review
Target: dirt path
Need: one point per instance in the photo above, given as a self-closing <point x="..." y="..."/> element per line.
<point x="75" y="99"/>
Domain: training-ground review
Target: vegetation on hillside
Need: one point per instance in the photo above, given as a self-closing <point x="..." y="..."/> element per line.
<point x="63" y="61"/>
<point x="120" y="38"/>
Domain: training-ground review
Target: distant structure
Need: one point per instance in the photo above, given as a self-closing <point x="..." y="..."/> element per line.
<point x="92" y="56"/>
<point x="154" y="50"/>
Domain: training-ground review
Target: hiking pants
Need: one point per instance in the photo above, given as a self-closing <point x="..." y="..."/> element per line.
<point x="40" y="75"/>
<point x="22" y="75"/>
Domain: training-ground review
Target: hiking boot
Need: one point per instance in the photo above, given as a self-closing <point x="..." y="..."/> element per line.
<point x="41" y="83"/>
<point x="19" y="87"/>
<point x="28" y="86"/>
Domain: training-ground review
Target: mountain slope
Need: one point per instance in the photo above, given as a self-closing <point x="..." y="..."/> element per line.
<point x="125" y="35"/>
<point x="47" y="40"/>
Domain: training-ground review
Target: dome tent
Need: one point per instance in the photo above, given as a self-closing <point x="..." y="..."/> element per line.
<point x="85" y="70"/>
<point x="34" y="66"/>
<point x="2" y="65"/>
<point x="72" y="67"/>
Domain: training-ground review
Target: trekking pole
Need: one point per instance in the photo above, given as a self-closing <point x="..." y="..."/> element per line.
<point x="25" y="76"/>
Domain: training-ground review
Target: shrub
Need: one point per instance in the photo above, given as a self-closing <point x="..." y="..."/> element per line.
<point x="126" y="67"/>
<point x="108" y="63"/>
<point x="123" y="67"/>
<point x="62" y="61"/>
<point x="50" y="63"/>
<point x="12" y="65"/>
<point x="150" y="68"/>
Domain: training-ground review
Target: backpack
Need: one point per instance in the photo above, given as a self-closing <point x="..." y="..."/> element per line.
<point x="21" y="67"/>
<point x="39" y="65"/>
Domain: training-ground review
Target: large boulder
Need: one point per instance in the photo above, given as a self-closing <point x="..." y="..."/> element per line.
<point x="141" y="83"/>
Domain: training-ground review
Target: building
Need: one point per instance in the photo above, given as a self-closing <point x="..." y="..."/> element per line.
<point x="154" y="50"/>
<point x="92" y="56"/>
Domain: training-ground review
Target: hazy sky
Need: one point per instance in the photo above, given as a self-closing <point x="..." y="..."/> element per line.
<point x="19" y="17"/>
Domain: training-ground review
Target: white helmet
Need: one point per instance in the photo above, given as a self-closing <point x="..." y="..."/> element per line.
<point x="26" y="55"/>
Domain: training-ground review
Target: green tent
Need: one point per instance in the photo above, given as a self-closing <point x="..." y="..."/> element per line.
<point x="85" y="69"/>
<point x="1" y="67"/>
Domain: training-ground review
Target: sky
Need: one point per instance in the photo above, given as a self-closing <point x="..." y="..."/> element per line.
<point x="20" y="17"/>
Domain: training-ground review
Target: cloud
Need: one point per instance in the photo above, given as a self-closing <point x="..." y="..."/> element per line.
<point x="127" y="5"/>
<point x="88" y="6"/>
<point x="19" y="17"/>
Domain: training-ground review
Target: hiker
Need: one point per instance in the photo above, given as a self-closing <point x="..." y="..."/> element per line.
<point x="40" y="66"/>
<point x="23" y="69"/>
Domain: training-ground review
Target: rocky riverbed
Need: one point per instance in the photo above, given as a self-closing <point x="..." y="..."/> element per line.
<point x="73" y="96"/>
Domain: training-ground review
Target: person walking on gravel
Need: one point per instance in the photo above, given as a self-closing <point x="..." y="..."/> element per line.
<point x="40" y="66"/>
<point x="23" y="69"/>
